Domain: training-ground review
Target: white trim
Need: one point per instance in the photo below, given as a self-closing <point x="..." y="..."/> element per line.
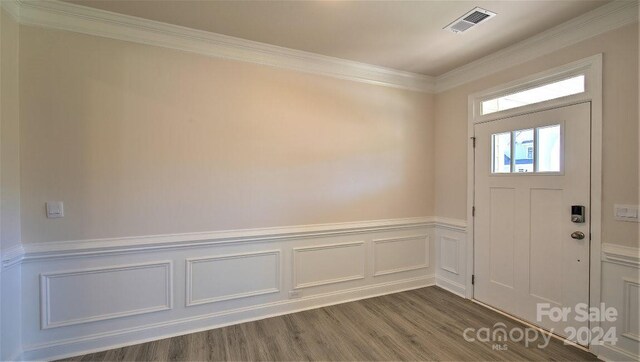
<point x="304" y="249"/>
<point x="451" y="286"/>
<point x="598" y="21"/>
<point x="619" y="254"/>
<point x="71" y="17"/>
<point x="100" y="247"/>
<point x="470" y="197"/>
<point x="45" y="315"/>
<point x="58" y="349"/>
<point x="108" y="334"/>
<point x="449" y="268"/>
<point x="592" y="68"/>
<point x="81" y="19"/>
<point x="27" y="252"/>
<point x="425" y="237"/>
<point x="607" y="352"/>
<point x="450" y="224"/>
<point x="627" y="283"/>
<point x="189" y="301"/>
<point x="12" y="255"/>
<point x="582" y="66"/>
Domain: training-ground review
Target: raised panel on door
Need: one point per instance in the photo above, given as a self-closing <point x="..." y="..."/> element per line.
<point x="545" y="263"/>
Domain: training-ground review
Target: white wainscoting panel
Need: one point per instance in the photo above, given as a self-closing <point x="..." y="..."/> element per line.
<point x="620" y="289"/>
<point x="328" y="264"/>
<point x="451" y="250"/>
<point x="226" y="277"/>
<point x="631" y="300"/>
<point x="449" y="254"/>
<point x="396" y="255"/>
<point x="87" y="295"/>
<point x="98" y="295"/>
<point x="11" y="309"/>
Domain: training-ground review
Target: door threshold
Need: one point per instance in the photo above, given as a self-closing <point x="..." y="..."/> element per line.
<point x="529" y="324"/>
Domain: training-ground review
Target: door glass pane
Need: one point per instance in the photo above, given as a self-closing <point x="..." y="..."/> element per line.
<point x="549" y="149"/>
<point x="524" y="150"/>
<point x="501" y="145"/>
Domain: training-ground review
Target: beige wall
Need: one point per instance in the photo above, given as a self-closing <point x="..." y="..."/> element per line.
<point x="141" y="140"/>
<point x="9" y="133"/>
<point x="620" y="133"/>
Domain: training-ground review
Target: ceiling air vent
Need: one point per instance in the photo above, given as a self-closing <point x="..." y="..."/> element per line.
<point x="469" y="20"/>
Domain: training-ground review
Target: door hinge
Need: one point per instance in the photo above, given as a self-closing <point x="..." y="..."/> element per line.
<point x="473" y="211"/>
<point x="473" y="139"/>
<point x="473" y="279"/>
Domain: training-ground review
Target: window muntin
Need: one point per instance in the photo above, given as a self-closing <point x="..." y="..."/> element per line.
<point x="534" y="150"/>
<point x="562" y="88"/>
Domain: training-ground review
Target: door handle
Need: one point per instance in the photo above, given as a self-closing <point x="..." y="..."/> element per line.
<point x="577" y="235"/>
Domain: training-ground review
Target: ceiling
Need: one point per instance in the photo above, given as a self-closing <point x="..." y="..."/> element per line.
<point x="403" y="35"/>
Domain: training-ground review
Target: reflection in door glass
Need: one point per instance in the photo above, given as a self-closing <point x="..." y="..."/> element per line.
<point x="549" y="149"/>
<point x="523" y="149"/>
<point x="501" y="144"/>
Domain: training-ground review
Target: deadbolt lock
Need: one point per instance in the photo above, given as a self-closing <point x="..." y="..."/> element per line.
<point x="577" y="214"/>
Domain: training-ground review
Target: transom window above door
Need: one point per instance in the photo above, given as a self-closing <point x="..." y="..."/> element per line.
<point x="557" y="89"/>
<point x="533" y="150"/>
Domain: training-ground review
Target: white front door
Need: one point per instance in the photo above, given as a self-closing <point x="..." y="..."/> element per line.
<point x="529" y="172"/>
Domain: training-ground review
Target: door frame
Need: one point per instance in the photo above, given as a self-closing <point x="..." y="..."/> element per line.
<point x="591" y="67"/>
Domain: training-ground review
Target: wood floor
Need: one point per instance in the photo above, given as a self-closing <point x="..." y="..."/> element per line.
<point x="422" y="324"/>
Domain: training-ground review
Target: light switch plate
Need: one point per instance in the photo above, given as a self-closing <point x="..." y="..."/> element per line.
<point x="55" y="209"/>
<point x="625" y="212"/>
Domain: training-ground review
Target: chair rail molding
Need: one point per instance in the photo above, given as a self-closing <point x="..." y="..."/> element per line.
<point x="12" y="255"/>
<point x="619" y="254"/>
<point x="27" y="252"/>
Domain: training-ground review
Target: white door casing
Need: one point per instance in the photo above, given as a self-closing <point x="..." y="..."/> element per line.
<point x="524" y="252"/>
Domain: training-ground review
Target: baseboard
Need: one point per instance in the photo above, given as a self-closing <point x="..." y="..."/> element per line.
<point x="607" y="352"/>
<point x="451" y="286"/>
<point x="131" y="336"/>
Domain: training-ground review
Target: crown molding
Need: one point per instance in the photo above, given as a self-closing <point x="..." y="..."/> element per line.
<point x="12" y="8"/>
<point x="598" y="21"/>
<point x="81" y="19"/>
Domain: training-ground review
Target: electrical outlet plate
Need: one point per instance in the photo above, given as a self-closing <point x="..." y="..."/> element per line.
<point x="55" y="209"/>
<point x="625" y="212"/>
